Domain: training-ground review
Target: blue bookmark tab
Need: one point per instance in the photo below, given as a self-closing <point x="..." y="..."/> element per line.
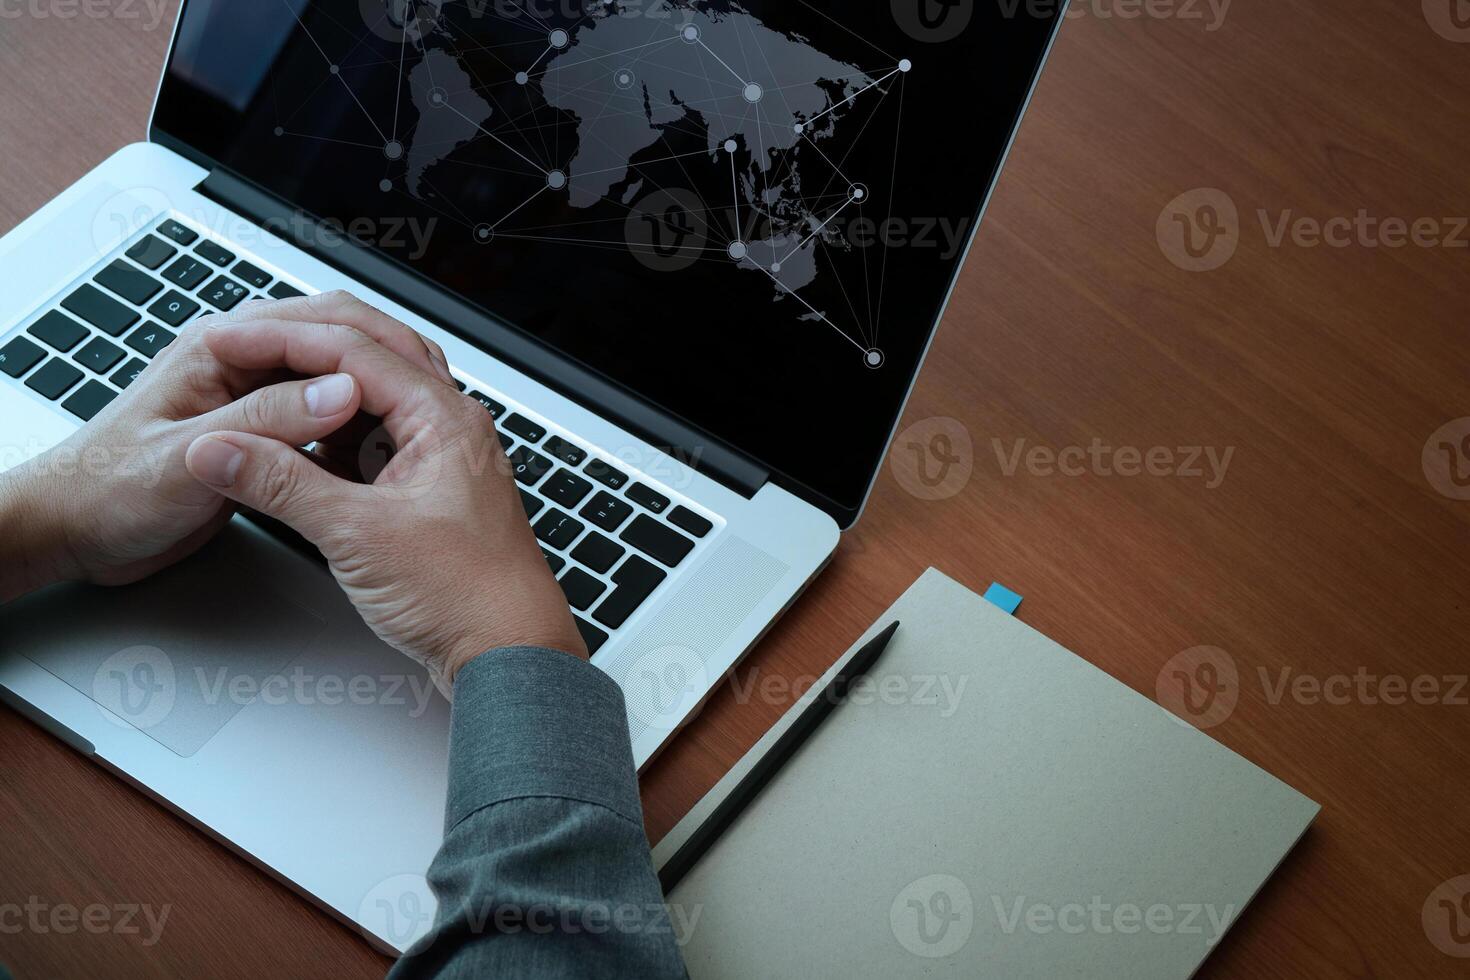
<point x="1000" y="596"/>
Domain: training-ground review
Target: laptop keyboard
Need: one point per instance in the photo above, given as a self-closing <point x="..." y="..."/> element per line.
<point x="610" y="539"/>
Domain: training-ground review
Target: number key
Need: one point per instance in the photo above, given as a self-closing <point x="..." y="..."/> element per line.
<point x="528" y="466"/>
<point x="187" y="272"/>
<point x="224" y="293"/>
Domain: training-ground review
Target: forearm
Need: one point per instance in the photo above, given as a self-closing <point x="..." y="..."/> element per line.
<point x="33" y="551"/>
<point x="545" y="869"/>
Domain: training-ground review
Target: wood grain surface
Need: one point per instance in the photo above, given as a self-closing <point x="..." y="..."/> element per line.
<point x="1325" y="551"/>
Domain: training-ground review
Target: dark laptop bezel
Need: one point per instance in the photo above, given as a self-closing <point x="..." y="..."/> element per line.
<point x="733" y="466"/>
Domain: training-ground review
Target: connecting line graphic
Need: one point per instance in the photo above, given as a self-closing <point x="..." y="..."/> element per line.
<point x="540" y="169"/>
<point x="737" y="247"/>
<point x="751" y="90"/>
<point x="823" y="154"/>
<point x="556" y="40"/>
<point x="903" y="66"/>
<point x="857" y="193"/>
<point x="517" y="208"/>
<point x="816" y="312"/>
<point x="610" y="54"/>
<point x="336" y="72"/>
<point x="398" y="95"/>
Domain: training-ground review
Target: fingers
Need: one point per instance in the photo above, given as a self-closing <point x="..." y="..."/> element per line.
<point x="272" y="478"/>
<point x="343" y="308"/>
<point x="294" y="412"/>
<point x="392" y="388"/>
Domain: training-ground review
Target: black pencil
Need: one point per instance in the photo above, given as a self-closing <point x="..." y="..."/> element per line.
<point x="767" y="765"/>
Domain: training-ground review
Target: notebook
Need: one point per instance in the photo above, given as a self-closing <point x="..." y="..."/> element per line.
<point x="985" y="804"/>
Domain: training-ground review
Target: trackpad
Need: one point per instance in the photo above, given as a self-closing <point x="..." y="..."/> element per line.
<point x="176" y="656"/>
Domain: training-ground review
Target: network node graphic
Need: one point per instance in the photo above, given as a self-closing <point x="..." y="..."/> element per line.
<point x="743" y="133"/>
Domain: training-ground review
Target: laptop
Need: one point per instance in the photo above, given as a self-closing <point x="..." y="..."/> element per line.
<point x="688" y="255"/>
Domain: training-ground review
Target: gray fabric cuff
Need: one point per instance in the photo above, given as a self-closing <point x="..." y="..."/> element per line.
<point x="531" y="722"/>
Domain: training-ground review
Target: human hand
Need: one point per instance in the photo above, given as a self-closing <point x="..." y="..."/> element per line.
<point x="114" y="503"/>
<point x="436" y="552"/>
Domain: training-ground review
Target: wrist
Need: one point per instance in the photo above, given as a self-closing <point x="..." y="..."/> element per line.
<point x="36" y="548"/>
<point x="552" y="630"/>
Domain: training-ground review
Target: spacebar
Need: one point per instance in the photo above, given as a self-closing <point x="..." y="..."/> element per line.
<point x="635" y="582"/>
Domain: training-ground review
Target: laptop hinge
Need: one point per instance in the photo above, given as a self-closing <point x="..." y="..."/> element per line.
<point x="689" y="445"/>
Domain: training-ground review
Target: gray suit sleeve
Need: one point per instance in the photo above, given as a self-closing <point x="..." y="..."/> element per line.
<point x="545" y="869"/>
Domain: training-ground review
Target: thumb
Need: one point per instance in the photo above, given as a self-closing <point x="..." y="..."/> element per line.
<point x="270" y="477"/>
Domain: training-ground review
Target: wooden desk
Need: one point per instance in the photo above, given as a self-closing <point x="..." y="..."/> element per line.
<point x="1324" y="550"/>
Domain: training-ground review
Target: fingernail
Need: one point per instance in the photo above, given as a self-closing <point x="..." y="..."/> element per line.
<point x="328" y="396"/>
<point x="216" y="462"/>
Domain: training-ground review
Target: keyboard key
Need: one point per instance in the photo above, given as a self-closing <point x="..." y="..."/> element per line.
<point x="581" y="589"/>
<point x="251" y="276"/>
<point x="187" y="273"/>
<point x="90" y="399"/>
<point x="214" y="253"/>
<point x="99" y="355"/>
<point x="565" y="451"/>
<point x="525" y="428"/>
<point x="606" y="474"/>
<point x="61" y="332"/>
<point x="528" y="466"/>
<point x="149" y="340"/>
<point x="461" y="386"/>
<point x="648" y="497"/>
<point x="557" y="562"/>
<point x="151" y="252"/>
<point x="505" y="441"/>
<point x="54" y="378"/>
<point x="598" y="553"/>
<point x="653" y="538"/>
<point x="100" y="310"/>
<point x="282" y="291"/>
<point x="224" y="293"/>
<point x="19" y="356"/>
<point x="566" y="488"/>
<point x="591" y="635"/>
<point x="558" y="529"/>
<point x="491" y="405"/>
<point x="532" y="503"/>
<point x="172" y="229"/>
<point x="173" y="308"/>
<point x="635" y="582"/>
<point x="683" y="517"/>
<point x="607" y="511"/>
<point x="128" y="373"/>
<point x="131" y="284"/>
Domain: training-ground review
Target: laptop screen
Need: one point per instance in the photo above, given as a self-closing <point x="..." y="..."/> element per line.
<point x="747" y="212"/>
